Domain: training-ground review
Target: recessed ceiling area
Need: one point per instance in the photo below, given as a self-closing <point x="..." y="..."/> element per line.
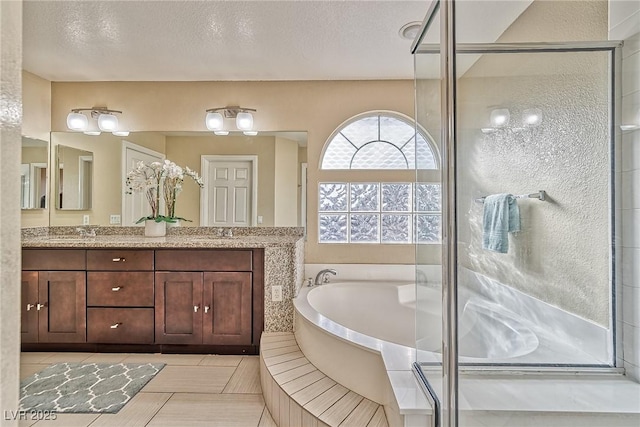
<point x="148" y="40"/>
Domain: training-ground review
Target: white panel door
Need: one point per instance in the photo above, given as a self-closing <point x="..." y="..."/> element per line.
<point x="229" y="188"/>
<point x="135" y="206"/>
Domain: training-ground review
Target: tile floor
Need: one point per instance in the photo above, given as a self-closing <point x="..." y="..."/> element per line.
<point x="192" y="390"/>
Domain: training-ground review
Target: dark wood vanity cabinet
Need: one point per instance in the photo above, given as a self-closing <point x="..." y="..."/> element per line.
<point x="167" y="299"/>
<point x="212" y="304"/>
<point x="53" y="296"/>
<point x="120" y="303"/>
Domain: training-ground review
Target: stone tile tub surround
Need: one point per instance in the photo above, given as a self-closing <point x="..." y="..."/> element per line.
<point x="284" y="253"/>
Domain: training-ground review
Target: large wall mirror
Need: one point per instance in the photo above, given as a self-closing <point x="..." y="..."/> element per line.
<point x="279" y="180"/>
<point x="74" y="178"/>
<point x="34" y="171"/>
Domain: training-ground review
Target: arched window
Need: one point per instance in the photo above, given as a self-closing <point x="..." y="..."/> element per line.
<point x="379" y="141"/>
<point x="379" y="212"/>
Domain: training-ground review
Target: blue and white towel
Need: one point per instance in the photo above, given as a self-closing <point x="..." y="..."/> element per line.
<point x="500" y="217"/>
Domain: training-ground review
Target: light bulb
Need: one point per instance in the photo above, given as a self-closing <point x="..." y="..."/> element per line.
<point x="532" y="117"/>
<point x="107" y="122"/>
<point x="214" y="121"/>
<point x="244" y="121"/>
<point x="499" y="117"/>
<point x="77" y="121"/>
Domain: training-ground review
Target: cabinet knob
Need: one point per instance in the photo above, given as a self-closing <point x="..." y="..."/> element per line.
<point x="30" y="306"/>
<point x="39" y="306"/>
<point x="121" y="259"/>
<point x="115" y="325"/>
<point x="116" y="288"/>
<point x="206" y="308"/>
<point x="196" y="308"/>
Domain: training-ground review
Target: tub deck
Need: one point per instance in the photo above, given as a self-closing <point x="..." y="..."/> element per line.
<point x="297" y="394"/>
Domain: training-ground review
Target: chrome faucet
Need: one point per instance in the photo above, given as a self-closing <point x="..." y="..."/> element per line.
<point x="86" y="232"/>
<point x="323" y="276"/>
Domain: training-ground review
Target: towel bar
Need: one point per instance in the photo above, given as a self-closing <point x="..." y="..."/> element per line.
<point x="540" y="195"/>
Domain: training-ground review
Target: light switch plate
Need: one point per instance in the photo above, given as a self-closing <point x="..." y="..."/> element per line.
<point x="114" y="219"/>
<point x="276" y="293"/>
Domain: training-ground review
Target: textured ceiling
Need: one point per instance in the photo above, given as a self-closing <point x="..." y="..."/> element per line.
<point x="220" y="40"/>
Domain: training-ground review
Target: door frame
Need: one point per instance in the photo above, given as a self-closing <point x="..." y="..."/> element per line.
<point x="127" y="145"/>
<point x="205" y="162"/>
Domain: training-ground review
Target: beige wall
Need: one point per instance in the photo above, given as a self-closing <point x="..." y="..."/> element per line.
<point x="317" y="107"/>
<point x="10" y="141"/>
<point x="36" y="107"/>
<point x="286" y="183"/>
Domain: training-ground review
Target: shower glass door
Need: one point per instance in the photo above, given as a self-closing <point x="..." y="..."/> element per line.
<point x="529" y="172"/>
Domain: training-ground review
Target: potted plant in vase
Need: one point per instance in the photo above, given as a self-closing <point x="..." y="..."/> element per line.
<point x="172" y="186"/>
<point x="147" y="179"/>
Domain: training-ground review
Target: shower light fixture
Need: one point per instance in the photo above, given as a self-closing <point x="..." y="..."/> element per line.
<point x="107" y="121"/>
<point x="214" y="119"/>
<point x="532" y="117"/>
<point x="499" y="117"/>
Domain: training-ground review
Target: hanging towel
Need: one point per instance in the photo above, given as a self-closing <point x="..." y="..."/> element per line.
<point x="500" y="217"/>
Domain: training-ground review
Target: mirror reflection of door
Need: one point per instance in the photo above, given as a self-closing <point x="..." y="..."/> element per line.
<point x="74" y="178"/>
<point x="135" y="206"/>
<point x="34" y="173"/>
<point x="228" y="197"/>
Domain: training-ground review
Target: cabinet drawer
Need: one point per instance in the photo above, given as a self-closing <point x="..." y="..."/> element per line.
<point x="119" y="260"/>
<point x="129" y="289"/>
<point x="203" y="260"/>
<point x="120" y="325"/>
<point x="53" y="259"/>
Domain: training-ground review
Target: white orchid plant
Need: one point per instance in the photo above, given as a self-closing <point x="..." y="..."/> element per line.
<point x="149" y="178"/>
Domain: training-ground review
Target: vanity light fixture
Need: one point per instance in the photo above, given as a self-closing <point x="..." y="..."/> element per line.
<point x="500" y="118"/>
<point x="214" y="119"/>
<point x="106" y="119"/>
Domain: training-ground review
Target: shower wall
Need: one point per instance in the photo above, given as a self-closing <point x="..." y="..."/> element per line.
<point x="624" y="23"/>
<point x="561" y="256"/>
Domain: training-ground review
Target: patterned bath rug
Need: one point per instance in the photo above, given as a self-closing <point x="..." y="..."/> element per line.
<point x="85" y="387"/>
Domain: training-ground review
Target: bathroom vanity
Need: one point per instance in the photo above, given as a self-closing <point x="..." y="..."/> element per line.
<point x="175" y="294"/>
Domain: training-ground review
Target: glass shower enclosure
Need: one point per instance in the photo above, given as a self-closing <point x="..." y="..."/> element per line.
<point x="526" y="135"/>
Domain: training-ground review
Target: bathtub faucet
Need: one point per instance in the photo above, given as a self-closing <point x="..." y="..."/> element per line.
<point x="322" y="276"/>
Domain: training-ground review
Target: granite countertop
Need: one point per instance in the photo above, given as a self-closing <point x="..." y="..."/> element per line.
<point x="190" y="239"/>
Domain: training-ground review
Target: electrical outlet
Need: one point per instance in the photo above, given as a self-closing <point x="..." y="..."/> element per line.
<point x="259" y="219"/>
<point x="276" y="293"/>
<point x="85" y="220"/>
<point x="114" y="219"/>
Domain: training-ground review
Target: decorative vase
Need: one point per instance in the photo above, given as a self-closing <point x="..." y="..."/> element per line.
<point x="155" y="229"/>
<point x="173" y="224"/>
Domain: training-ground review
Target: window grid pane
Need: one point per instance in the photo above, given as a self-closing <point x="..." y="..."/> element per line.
<point x="379" y="213"/>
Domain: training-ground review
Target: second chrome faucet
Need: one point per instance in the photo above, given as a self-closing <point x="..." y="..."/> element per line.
<point x="323" y="276"/>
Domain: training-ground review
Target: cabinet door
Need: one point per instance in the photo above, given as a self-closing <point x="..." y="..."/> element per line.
<point x="29" y="312"/>
<point x="178" y="305"/>
<point x="227" y="311"/>
<point x="62" y="316"/>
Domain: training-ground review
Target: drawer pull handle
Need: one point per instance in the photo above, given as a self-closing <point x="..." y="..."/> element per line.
<point x="196" y="308"/>
<point x="39" y="306"/>
<point x="206" y="308"/>
<point x="115" y="325"/>
<point x="30" y="306"/>
<point x="116" y="288"/>
<point x="122" y="259"/>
